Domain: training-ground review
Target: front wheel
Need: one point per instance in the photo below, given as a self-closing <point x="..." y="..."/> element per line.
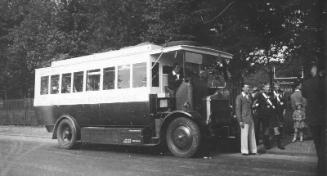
<point x="183" y="137"/>
<point x="67" y="134"/>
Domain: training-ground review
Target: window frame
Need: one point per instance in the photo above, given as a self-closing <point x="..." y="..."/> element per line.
<point x="83" y="81"/>
<point x="48" y="85"/>
<point x="114" y="78"/>
<point x="71" y="82"/>
<point x="145" y="74"/>
<point x="87" y="78"/>
<point x="153" y="65"/>
<point x="130" y="76"/>
<point x="58" y="84"/>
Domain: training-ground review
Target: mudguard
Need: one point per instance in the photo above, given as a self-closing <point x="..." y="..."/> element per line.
<point x="192" y="115"/>
<point x="195" y="116"/>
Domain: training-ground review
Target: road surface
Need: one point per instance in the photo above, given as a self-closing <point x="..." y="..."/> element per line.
<point x="32" y="156"/>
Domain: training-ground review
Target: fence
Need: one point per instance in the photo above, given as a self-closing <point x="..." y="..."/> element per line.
<point x="19" y="112"/>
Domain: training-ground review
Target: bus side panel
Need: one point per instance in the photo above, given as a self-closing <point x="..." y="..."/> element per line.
<point x="50" y="114"/>
<point x="110" y="114"/>
<point x="125" y="114"/>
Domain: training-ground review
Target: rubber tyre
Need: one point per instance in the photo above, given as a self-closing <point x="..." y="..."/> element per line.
<point x="67" y="134"/>
<point x="183" y="137"/>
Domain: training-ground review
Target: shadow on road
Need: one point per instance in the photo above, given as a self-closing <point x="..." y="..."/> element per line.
<point x="144" y="150"/>
<point x="208" y="148"/>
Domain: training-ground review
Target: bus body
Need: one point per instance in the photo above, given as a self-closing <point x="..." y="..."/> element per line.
<point x="122" y="97"/>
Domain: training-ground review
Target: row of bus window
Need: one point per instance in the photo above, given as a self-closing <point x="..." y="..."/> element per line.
<point x="93" y="79"/>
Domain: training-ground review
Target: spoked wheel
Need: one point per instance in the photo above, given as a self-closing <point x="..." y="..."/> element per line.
<point x="67" y="134"/>
<point x="183" y="137"/>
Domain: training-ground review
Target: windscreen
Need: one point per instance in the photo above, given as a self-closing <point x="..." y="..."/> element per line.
<point x="196" y="66"/>
<point x="208" y="68"/>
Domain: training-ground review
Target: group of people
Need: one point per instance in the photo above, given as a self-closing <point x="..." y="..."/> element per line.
<point x="260" y="114"/>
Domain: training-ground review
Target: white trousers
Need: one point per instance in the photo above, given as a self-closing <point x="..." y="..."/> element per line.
<point x="248" y="144"/>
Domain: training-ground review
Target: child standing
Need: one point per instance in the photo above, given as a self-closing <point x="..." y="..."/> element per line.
<point x="298" y="117"/>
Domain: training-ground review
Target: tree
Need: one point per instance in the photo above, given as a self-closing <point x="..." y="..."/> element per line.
<point x="45" y="31"/>
<point x="169" y="20"/>
<point x="258" y="32"/>
<point x="31" y="44"/>
<point x="91" y="26"/>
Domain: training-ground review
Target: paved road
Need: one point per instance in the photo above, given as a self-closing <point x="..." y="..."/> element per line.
<point x="40" y="156"/>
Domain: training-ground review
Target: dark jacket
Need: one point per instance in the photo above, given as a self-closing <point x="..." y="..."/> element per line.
<point x="269" y="111"/>
<point x="280" y="101"/>
<point x="313" y="91"/>
<point x="265" y="110"/>
<point x="244" y="109"/>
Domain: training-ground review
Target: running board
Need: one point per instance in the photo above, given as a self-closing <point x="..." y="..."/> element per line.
<point x="107" y="135"/>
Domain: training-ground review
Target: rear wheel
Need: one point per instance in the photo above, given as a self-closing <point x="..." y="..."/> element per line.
<point x="183" y="137"/>
<point x="67" y="134"/>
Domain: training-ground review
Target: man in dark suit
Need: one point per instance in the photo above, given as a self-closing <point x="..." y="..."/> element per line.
<point x="245" y="117"/>
<point x="267" y="111"/>
<point x="256" y="118"/>
<point x="313" y="91"/>
<point x="280" y="111"/>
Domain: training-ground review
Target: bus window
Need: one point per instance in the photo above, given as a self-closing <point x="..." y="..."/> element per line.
<point x="139" y="75"/>
<point x="123" y="76"/>
<point x="54" y="84"/>
<point x="44" y="85"/>
<point x="108" y="78"/>
<point x="93" y="80"/>
<point x="155" y="74"/>
<point x="65" y="83"/>
<point x="78" y="81"/>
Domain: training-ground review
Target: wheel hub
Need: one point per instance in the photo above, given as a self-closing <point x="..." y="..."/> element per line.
<point x="67" y="135"/>
<point x="182" y="137"/>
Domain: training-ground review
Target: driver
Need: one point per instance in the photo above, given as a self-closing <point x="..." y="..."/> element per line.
<point x="175" y="77"/>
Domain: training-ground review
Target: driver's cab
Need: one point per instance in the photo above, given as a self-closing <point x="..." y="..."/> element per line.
<point x="203" y="74"/>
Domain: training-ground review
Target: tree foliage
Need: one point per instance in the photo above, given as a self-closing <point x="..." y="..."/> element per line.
<point x="35" y="32"/>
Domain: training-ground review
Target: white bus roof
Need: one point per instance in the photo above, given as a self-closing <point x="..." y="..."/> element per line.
<point x="197" y="49"/>
<point x="143" y="48"/>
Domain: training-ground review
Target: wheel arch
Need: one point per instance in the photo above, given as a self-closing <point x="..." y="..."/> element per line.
<point x="74" y="122"/>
